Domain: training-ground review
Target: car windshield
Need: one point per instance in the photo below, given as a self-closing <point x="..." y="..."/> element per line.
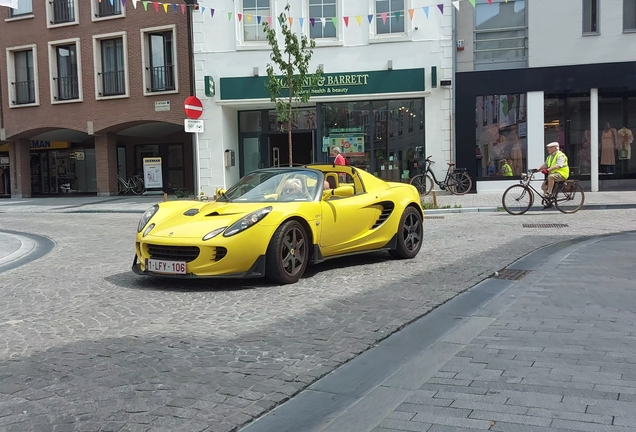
<point x="275" y="185"/>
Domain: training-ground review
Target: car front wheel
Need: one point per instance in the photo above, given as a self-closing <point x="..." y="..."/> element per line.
<point x="287" y="254"/>
<point x="409" y="234"/>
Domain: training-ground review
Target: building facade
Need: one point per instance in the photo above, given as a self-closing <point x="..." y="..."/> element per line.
<point x="88" y="90"/>
<point x="533" y="72"/>
<point x="380" y="99"/>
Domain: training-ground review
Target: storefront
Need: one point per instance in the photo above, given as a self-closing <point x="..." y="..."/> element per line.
<point x="376" y="118"/>
<point x="5" y="172"/>
<point x="516" y="112"/>
<point x="57" y="167"/>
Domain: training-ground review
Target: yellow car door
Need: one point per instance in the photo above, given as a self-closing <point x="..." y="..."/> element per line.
<point x="346" y="222"/>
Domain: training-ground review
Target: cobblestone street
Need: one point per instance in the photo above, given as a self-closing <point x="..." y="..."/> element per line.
<point x="89" y="346"/>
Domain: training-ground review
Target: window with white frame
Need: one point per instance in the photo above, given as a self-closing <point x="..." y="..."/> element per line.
<point x="500" y="32"/>
<point x="253" y="29"/>
<point x="321" y="13"/>
<point x="64" y="69"/>
<point x="629" y="15"/>
<point x="61" y="12"/>
<point x="159" y="59"/>
<point x="389" y="17"/>
<point x="107" y="9"/>
<point x="111" y="65"/>
<point x="591" y="16"/>
<point x="25" y="7"/>
<point x="22" y="75"/>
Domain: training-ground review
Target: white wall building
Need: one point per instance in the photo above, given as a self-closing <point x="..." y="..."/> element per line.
<point x="380" y="99"/>
<point x="533" y="72"/>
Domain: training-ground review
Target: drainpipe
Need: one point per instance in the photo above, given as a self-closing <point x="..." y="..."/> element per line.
<point x="193" y="92"/>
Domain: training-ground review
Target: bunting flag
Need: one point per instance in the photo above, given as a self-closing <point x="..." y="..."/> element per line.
<point x="260" y="19"/>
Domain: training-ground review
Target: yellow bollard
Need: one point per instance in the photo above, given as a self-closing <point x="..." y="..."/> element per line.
<point x="434" y="199"/>
<point x="165" y="197"/>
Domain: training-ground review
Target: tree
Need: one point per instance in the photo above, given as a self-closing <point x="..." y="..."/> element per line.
<point x="296" y="83"/>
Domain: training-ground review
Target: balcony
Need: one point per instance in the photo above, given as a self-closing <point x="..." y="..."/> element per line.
<point x="161" y="78"/>
<point x="24" y="92"/>
<point x="67" y="88"/>
<point x="113" y="83"/>
<point x="63" y="11"/>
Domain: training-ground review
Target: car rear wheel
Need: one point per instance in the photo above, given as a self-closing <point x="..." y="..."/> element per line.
<point x="287" y="254"/>
<point x="409" y="234"/>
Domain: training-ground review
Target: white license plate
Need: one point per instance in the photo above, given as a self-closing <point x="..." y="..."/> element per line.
<point x="168" y="267"/>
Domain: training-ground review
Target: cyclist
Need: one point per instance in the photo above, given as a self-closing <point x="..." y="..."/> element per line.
<point x="505" y="169"/>
<point x="555" y="168"/>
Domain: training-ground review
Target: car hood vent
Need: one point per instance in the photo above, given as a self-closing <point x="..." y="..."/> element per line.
<point x="387" y="209"/>
<point x="191" y="212"/>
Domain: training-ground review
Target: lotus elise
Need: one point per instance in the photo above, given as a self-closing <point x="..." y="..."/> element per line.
<point x="276" y="221"/>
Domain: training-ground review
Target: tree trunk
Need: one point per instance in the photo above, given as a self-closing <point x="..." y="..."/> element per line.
<point x="289" y="130"/>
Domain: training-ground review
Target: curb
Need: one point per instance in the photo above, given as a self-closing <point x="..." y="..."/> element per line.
<point x="33" y="247"/>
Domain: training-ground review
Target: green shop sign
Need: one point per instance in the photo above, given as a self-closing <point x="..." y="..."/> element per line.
<point x="342" y="84"/>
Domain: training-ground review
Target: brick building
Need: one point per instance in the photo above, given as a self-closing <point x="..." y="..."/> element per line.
<point x="88" y="89"/>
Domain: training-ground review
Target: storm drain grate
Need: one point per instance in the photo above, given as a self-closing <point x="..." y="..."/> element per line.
<point x="556" y="225"/>
<point x="510" y="274"/>
<point x="433" y="217"/>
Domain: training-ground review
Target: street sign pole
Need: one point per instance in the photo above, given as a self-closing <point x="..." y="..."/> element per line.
<point x="194" y="108"/>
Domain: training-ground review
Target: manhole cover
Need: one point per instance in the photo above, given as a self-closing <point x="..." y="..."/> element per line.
<point x="556" y="225"/>
<point x="510" y="274"/>
<point x="433" y="217"/>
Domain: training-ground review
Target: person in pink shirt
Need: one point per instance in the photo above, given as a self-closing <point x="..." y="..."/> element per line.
<point x="340" y="160"/>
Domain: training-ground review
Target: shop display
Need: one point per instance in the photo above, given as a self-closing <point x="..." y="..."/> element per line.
<point x="624" y="140"/>
<point x="608" y="146"/>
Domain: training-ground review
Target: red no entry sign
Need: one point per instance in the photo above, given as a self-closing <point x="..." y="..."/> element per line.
<point x="193" y="107"/>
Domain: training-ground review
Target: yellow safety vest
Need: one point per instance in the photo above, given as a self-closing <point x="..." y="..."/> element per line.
<point x="551" y="161"/>
<point x="507" y="171"/>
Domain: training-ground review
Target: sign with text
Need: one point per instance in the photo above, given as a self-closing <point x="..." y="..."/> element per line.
<point x="153" y="178"/>
<point x="193" y="126"/>
<point x="350" y="141"/>
<point x="333" y="84"/>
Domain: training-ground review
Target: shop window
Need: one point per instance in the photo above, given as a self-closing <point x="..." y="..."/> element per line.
<point x="254" y="12"/>
<point x="25" y="7"/>
<point x="629" y="15"/>
<point x="64" y="57"/>
<point x="319" y="11"/>
<point x="61" y="12"/>
<point x="23" y="75"/>
<point x="500" y="33"/>
<point x="107" y="9"/>
<point x="389" y="17"/>
<point x="159" y="60"/>
<point x="591" y="17"/>
<point x="250" y="121"/>
<point x="111" y="72"/>
<point x="617" y="121"/>
<point x="501" y="137"/>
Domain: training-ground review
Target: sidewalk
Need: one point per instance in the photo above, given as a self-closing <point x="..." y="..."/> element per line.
<point x="539" y="353"/>
<point x="139" y="204"/>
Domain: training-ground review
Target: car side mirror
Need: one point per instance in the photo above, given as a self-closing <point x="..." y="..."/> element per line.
<point x="341" y="192"/>
<point x="220" y="191"/>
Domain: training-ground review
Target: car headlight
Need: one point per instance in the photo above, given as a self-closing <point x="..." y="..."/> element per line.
<point x="145" y="218"/>
<point x="147" y="231"/>
<point x="246" y="222"/>
<point x="213" y="234"/>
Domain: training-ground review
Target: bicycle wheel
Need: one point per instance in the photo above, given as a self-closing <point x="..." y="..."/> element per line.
<point x="137" y="185"/>
<point x="459" y="183"/>
<point x="517" y="199"/>
<point x="120" y="187"/>
<point x="569" y="197"/>
<point x="423" y="183"/>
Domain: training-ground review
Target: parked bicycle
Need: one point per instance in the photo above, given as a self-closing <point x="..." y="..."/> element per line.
<point x="567" y="196"/>
<point x="135" y="184"/>
<point x="457" y="180"/>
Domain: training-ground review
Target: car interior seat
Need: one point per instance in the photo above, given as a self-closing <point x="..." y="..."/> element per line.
<point x="332" y="179"/>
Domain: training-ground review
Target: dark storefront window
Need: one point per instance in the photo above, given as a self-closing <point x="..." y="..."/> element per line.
<point x="500" y="127"/>
<point x="385" y="138"/>
<point x="567" y="121"/>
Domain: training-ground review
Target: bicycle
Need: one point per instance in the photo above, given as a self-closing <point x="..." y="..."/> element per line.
<point x="457" y="180"/>
<point x="135" y="184"/>
<point x="567" y="196"/>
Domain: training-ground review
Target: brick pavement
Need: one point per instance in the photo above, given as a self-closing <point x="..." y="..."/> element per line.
<point x="557" y="354"/>
<point x="87" y="345"/>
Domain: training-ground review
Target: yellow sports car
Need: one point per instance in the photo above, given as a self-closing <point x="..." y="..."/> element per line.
<point x="274" y="222"/>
